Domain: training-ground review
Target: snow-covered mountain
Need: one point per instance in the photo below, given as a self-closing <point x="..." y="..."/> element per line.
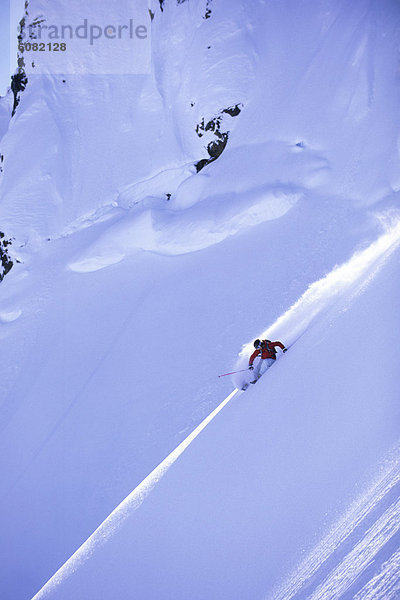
<point x="241" y="181"/>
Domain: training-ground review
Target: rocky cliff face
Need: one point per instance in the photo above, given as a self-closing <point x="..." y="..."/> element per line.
<point x="201" y="71"/>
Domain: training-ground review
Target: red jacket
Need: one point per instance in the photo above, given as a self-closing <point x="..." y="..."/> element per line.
<point x="266" y="349"/>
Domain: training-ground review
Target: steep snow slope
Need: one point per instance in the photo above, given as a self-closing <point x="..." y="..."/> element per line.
<point x="359" y="556"/>
<point x="106" y="370"/>
<point x="266" y="476"/>
<point x="115" y="367"/>
<point x="5" y="113"/>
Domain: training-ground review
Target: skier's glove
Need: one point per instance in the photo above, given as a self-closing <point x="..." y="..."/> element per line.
<point x="284" y="350"/>
<point x="251" y="367"/>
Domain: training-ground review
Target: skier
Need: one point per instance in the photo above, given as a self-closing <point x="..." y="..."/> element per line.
<point x="265" y="349"/>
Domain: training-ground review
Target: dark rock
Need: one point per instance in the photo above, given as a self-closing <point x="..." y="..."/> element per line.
<point x="201" y="164"/>
<point x="216" y="148"/>
<point x="18" y="84"/>
<point x="6" y="262"/>
<point x="200" y="128"/>
<point x="19" y="79"/>
<point x="233" y="111"/>
<point x="218" y="145"/>
<point x="208" y="12"/>
<point x="34" y="27"/>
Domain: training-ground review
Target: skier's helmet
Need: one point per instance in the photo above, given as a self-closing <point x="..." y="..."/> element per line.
<point x="256" y="343"/>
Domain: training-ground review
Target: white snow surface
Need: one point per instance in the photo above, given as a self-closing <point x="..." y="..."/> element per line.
<point x="5" y="112"/>
<point x="129" y="469"/>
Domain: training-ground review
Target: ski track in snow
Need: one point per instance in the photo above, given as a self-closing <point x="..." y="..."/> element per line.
<point x="358" y="546"/>
<point x="361" y="556"/>
<point x="131" y="503"/>
<point x="343" y="283"/>
<point x="384" y="585"/>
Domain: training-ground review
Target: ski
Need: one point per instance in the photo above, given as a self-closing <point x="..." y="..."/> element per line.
<point x="246" y="385"/>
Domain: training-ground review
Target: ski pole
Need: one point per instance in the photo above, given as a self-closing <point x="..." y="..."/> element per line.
<point x="233" y="372"/>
